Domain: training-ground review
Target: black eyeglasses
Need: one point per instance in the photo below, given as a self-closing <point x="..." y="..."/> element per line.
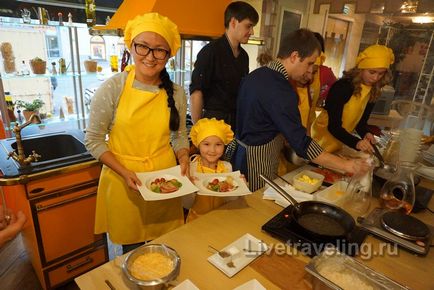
<point x="157" y="53"/>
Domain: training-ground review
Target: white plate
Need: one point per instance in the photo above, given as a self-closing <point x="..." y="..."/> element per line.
<point x="186" y="285"/>
<point x="174" y="172"/>
<point x="249" y="248"/>
<point x="251" y="285"/>
<point x="205" y="178"/>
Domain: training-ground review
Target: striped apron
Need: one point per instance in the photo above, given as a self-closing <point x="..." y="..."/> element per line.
<point x="260" y="159"/>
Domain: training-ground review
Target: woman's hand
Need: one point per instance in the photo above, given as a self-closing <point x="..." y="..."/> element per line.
<point x="370" y="137"/>
<point x="131" y="179"/>
<point x="184" y="161"/>
<point x="365" y="145"/>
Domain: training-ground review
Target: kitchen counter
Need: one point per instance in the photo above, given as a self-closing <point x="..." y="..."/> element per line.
<point x="223" y="226"/>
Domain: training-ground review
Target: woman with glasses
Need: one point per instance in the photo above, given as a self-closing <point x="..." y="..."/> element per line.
<point x="144" y="115"/>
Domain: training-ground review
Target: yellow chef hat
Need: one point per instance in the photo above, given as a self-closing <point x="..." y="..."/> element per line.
<point x="153" y="22"/>
<point x="375" y="56"/>
<point x="211" y="127"/>
<point x="320" y="59"/>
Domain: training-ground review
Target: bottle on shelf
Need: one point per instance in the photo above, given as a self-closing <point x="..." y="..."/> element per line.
<point x="60" y="15"/>
<point x="69" y="18"/>
<point x="90" y="13"/>
<point x="114" y="59"/>
<point x="62" y="66"/>
<point x="11" y="107"/>
<point x="53" y="68"/>
<point x="24" y="69"/>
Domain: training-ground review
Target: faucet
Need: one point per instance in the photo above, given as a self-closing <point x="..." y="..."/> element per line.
<point x="21" y="157"/>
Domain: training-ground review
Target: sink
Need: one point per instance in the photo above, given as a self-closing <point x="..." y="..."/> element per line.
<point x="52" y="146"/>
<point x="56" y="149"/>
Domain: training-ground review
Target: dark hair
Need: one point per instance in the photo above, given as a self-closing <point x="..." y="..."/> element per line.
<point x="301" y="40"/>
<point x="240" y="10"/>
<point x="167" y="84"/>
<point x="320" y="40"/>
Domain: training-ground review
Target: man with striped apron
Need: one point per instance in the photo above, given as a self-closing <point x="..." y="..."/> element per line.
<point x="267" y="113"/>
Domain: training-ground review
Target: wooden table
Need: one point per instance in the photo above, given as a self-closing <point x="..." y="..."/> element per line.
<point x="223" y="226"/>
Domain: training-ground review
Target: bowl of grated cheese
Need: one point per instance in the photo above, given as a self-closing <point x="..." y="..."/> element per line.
<point x="152" y="266"/>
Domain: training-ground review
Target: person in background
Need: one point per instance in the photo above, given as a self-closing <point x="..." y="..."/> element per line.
<point x="322" y="80"/>
<point x="10" y="225"/>
<point x="210" y="136"/>
<point x="350" y="101"/>
<point x="144" y="114"/>
<point x="267" y="113"/>
<point x="221" y="65"/>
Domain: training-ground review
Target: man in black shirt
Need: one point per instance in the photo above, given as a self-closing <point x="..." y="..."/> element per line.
<point x="221" y="65"/>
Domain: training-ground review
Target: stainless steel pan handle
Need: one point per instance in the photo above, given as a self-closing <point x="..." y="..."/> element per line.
<point x="280" y="191"/>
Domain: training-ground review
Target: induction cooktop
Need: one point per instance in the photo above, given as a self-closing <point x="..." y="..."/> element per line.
<point x="286" y="229"/>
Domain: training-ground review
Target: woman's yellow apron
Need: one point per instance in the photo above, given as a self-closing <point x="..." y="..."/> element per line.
<point x="304" y="105"/>
<point x="140" y="141"/>
<point x="203" y="203"/>
<point x="351" y="115"/>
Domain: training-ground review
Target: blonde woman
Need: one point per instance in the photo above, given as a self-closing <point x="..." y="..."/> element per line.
<point x="350" y="102"/>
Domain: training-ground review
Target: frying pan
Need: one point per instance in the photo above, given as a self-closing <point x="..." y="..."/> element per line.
<point x="317" y="218"/>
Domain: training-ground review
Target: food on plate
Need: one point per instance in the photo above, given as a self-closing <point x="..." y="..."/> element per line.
<point x="225" y="185"/>
<point x="329" y="175"/>
<point x="161" y="185"/>
<point x="308" y="179"/>
<point x="151" y="266"/>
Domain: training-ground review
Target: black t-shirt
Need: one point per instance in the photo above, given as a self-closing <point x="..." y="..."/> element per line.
<point x="217" y="73"/>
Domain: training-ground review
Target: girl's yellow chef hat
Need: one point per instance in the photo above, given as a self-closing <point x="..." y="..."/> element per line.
<point x="211" y="127"/>
<point x="375" y="56"/>
<point x="153" y="22"/>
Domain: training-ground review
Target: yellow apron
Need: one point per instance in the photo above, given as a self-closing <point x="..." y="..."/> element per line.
<point x="140" y="141"/>
<point x="304" y="105"/>
<point x="203" y="204"/>
<point x="315" y="90"/>
<point x="351" y="115"/>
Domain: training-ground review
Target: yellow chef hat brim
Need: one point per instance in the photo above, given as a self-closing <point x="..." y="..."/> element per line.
<point x="153" y="22"/>
<point x="211" y="127"/>
<point x="375" y="56"/>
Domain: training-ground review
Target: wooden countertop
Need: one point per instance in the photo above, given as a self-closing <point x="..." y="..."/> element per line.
<point x="223" y="226"/>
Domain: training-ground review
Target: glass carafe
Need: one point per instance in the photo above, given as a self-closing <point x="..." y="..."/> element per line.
<point x="398" y="193"/>
<point x="359" y="193"/>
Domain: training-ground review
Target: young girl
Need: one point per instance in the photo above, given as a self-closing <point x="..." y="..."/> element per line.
<point x="210" y="136"/>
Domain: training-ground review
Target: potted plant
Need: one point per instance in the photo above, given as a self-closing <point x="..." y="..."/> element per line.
<point x="31" y="107"/>
<point x="38" y="65"/>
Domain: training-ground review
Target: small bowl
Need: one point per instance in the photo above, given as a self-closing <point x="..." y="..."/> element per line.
<point x="305" y="186"/>
<point x="334" y="194"/>
<point x="156" y="284"/>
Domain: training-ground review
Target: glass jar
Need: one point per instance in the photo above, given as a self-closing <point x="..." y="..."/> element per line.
<point x="398" y="193"/>
<point x="359" y="191"/>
